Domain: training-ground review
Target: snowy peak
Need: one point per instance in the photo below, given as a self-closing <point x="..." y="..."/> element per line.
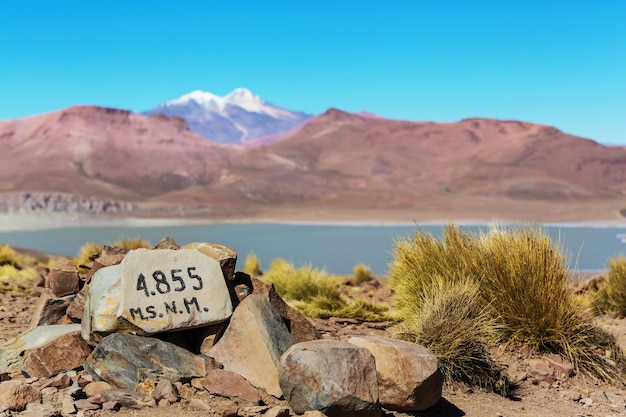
<point x="202" y="98"/>
<point x="239" y="97"/>
<point x="236" y="117"/>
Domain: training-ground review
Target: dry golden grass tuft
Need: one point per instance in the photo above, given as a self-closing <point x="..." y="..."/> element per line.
<point x="522" y="279"/>
<point x="316" y="294"/>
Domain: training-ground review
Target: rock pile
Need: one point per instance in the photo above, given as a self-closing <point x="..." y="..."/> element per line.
<point x="156" y="327"/>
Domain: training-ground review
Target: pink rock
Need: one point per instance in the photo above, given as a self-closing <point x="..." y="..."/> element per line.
<point x="230" y="384"/>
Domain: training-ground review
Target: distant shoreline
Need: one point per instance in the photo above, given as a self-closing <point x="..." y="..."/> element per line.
<point x="19" y="222"/>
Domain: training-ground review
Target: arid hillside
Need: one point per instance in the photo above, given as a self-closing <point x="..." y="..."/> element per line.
<point x="336" y="164"/>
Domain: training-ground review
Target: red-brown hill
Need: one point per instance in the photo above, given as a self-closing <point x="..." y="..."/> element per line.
<point x="336" y="165"/>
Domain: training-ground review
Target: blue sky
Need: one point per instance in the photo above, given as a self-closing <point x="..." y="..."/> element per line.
<point x="560" y="63"/>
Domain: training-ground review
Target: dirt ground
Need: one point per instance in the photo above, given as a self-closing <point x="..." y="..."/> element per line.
<point x="531" y="399"/>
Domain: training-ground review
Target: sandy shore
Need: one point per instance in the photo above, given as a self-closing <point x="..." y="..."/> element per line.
<point x="23" y="222"/>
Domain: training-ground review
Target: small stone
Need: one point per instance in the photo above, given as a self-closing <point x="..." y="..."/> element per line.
<point x="226" y="257"/>
<point x="39" y="410"/>
<point x="570" y="394"/>
<point x="277" y="412"/>
<point x="226" y="408"/>
<point x="556" y="362"/>
<point x="130" y="399"/>
<point x="60" y="381"/>
<point x="599" y="397"/>
<point x="253" y="411"/>
<point x="199" y="404"/>
<point x="96" y="388"/>
<point x="167" y="243"/>
<point x="15" y="395"/>
<point x="63" y="278"/>
<point x="85" y="404"/>
<point x="67" y="406"/>
<point x="230" y="384"/>
<point x="313" y="413"/>
<point x="111" y="406"/>
<point x="165" y="390"/>
<point x="206" y="363"/>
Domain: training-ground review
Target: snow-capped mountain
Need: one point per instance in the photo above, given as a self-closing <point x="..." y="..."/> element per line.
<point x="234" y="118"/>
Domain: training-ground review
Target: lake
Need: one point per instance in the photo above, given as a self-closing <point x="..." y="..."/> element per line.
<point x="335" y="248"/>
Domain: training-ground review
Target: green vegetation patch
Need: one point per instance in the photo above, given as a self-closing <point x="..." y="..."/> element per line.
<point x="317" y="294"/>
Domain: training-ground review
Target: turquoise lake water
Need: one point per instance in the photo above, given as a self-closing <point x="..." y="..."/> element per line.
<point x="335" y="248"/>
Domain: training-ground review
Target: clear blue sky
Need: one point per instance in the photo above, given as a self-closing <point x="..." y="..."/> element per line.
<point x="561" y="63"/>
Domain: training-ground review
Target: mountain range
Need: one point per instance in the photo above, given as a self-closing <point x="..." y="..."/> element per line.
<point x="238" y="117"/>
<point x="335" y="166"/>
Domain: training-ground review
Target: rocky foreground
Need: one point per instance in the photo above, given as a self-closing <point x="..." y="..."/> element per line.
<point x="150" y="328"/>
<point x="177" y="332"/>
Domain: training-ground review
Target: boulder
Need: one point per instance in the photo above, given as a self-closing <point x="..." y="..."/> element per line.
<point x="154" y="291"/>
<point x="409" y="378"/>
<point x="334" y="377"/>
<point x="62" y="353"/>
<point x="13" y="352"/>
<point x="253" y="343"/>
<point x="164" y="289"/>
<point x="125" y="361"/>
<point x="299" y="326"/>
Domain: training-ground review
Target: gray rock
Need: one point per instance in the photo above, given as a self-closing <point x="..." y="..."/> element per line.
<point x="125" y="361"/>
<point x="50" y="308"/>
<point x="334" y="377"/>
<point x="408" y="376"/>
<point x="126" y="398"/>
<point x="253" y="344"/>
<point x="14" y="351"/>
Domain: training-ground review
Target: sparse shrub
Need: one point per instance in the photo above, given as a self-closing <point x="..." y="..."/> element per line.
<point x="362" y="273"/>
<point x="87" y="252"/>
<point x="611" y="297"/>
<point x="522" y="278"/>
<point x="316" y="294"/>
<point x="91" y="250"/>
<point x="13" y="279"/>
<point x="450" y="321"/>
<point x="8" y="256"/>
<point x="251" y="265"/>
<point x="132" y="243"/>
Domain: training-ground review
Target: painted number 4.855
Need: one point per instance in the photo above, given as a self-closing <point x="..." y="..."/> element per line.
<point x="165" y="284"/>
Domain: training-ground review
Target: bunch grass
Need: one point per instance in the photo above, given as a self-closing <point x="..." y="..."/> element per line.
<point x="522" y="277"/>
<point x="315" y="293"/>
<point x="611" y="298"/>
